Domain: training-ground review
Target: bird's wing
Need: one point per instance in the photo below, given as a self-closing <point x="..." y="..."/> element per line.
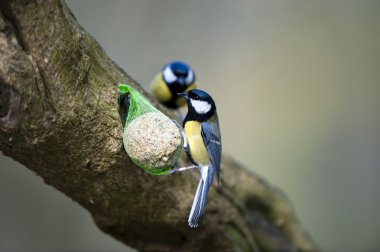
<point x="212" y="139"/>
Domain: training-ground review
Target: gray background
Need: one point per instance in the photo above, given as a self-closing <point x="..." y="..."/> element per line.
<point x="297" y="85"/>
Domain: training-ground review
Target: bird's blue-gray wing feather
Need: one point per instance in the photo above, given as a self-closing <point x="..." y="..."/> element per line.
<point x="212" y="139"/>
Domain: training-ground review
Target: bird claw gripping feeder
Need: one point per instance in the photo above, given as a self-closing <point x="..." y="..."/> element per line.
<point x="151" y="139"/>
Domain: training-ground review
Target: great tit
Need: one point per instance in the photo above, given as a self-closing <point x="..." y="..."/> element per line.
<point x="175" y="77"/>
<point x="203" y="146"/>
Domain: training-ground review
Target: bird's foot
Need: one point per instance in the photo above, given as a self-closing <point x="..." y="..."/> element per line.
<point x="182" y="133"/>
<point x="176" y="169"/>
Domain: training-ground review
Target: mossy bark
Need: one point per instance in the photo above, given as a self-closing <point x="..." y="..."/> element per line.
<point x="58" y="117"/>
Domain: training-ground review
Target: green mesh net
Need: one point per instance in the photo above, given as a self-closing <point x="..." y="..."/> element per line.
<point x="138" y="105"/>
<point x="151" y="139"/>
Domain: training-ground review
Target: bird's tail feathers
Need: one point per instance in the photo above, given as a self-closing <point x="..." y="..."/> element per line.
<point x="200" y="196"/>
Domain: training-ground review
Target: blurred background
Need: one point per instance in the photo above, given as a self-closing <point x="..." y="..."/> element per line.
<point x="297" y="85"/>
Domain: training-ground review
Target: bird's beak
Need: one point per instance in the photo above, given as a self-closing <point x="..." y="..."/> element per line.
<point x="184" y="95"/>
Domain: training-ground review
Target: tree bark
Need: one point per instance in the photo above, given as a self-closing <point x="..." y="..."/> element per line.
<point x="58" y="117"/>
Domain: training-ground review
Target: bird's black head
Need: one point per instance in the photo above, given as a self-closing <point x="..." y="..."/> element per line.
<point x="178" y="76"/>
<point x="200" y="104"/>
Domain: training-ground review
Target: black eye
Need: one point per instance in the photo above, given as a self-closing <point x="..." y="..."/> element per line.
<point x="196" y="97"/>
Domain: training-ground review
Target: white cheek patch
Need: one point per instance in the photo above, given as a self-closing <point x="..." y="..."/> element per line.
<point x="190" y="77"/>
<point x="169" y="75"/>
<point x="201" y="107"/>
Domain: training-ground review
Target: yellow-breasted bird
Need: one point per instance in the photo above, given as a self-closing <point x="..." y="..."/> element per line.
<point x="203" y="146"/>
<point x="175" y="77"/>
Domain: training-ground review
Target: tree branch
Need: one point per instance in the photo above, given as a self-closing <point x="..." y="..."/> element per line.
<point x="58" y="117"/>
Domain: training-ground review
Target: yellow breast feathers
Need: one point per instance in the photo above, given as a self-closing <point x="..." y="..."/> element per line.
<point x="160" y="90"/>
<point x="198" y="149"/>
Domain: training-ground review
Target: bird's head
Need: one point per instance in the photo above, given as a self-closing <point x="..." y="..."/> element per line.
<point x="199" y="103"/>
<point x="179" y="74"/>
